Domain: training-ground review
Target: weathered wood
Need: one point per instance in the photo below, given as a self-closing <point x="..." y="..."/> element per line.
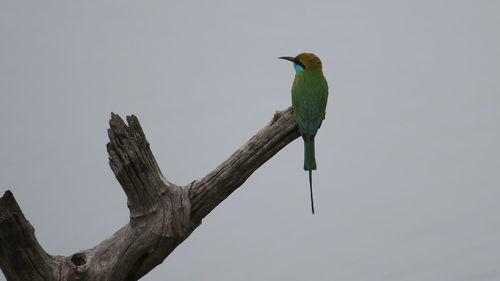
<point x="162" y="214"/>
<point x="212" y="189"/>
<point x="21" y="256"/>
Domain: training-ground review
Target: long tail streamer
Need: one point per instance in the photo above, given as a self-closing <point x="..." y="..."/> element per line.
<point x="311" y="190"/>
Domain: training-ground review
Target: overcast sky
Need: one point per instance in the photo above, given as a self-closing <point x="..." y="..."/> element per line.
<point x="408" y="180"/>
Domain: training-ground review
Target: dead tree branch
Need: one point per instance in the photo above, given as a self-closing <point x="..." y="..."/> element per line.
<point x="162" y="214"/>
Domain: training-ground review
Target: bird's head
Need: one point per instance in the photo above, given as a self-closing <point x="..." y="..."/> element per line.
<point x="305" y="61"/>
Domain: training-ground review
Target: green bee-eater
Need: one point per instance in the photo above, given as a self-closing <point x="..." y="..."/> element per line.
<point x="309" y="97"/>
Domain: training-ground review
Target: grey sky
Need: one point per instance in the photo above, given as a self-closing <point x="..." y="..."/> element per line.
<point x="408" y="180"/>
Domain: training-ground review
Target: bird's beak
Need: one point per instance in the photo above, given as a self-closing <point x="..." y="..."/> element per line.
<point x="292" y="59"/>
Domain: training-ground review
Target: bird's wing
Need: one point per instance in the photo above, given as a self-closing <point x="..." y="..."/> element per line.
<point x="309" y="104"/>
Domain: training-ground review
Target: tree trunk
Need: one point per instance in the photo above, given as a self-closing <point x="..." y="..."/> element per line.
<point x="162" y="214"/>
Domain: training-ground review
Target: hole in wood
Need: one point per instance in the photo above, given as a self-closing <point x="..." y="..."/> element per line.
<point x="78" y="259"/>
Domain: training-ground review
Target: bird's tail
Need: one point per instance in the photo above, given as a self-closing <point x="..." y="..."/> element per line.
<point x="309" y="159"/>
<point x="309" y="163"/>
<point x="311" y="190"/>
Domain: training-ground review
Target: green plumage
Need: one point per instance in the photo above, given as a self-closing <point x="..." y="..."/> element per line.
<point x="309" y="98"/>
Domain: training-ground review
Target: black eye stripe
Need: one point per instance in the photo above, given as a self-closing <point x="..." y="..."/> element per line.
<point x="299" y="63"/>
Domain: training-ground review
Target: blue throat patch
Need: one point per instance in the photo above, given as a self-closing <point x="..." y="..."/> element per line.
<point x="298" y="68"/>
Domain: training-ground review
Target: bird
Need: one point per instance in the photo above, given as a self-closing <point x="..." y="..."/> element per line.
<point x="309" y="98"/>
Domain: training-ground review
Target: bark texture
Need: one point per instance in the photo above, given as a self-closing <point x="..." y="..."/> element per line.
<point x="162" y="214"/>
